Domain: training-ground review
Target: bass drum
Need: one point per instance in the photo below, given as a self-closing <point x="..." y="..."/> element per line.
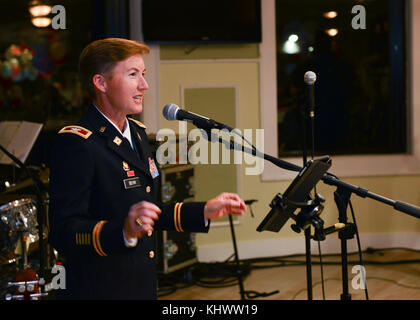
<point x="18" y="219"/>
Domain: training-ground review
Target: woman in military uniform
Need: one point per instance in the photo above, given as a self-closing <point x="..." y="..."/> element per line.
<point x="104" y="180"/>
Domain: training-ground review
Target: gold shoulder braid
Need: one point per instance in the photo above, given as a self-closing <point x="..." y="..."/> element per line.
<point x="141" y="125"/>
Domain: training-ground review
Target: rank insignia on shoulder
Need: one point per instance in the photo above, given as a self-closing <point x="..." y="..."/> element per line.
<point x="80" y="131"/>
<point x="141" y="125"/>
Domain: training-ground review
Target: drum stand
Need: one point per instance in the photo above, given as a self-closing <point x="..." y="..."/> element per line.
<point x="38" y="186"/>
<point x="23" y="285"/>
<point x="26" y="282"/>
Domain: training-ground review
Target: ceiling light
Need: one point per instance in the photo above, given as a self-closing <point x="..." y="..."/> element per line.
<point x="293" y="38"/>
<point x="332" y="32"/>
<point x="40" y="10"/>
<point x="41" y="22"/>
<point x="290" y="47"/>
<point x="330" y="14"/>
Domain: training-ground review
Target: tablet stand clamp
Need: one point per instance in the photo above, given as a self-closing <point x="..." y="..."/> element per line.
<point x="309" y="214"/>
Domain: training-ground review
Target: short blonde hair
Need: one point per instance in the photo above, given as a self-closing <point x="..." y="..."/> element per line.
<point x="100" y="57"/>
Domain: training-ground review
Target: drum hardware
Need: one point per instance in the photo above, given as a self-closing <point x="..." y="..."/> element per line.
<point x="24" y="290"/>
<point x="18" y="223"/>
<point x="40" y="189"/>
<point x="35" y="296"/>
<point x="27" y="283"/>
<point x="19" y="228"/>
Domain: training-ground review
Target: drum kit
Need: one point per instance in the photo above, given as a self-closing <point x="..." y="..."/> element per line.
<point x="19" y="243"/>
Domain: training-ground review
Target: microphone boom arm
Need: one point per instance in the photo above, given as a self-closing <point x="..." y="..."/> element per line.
<point x="328" y="179"/>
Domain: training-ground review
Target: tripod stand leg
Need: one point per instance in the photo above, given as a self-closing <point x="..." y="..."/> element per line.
<point x="308" y="262"/>
<point x="342" y="198"/>
<point x="344" y="273"/>
<point x="238" y="267"/>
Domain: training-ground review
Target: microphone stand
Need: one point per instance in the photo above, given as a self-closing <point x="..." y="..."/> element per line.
<point x="38" y="185"/>
<point x="341" y="196"/>
<point x="307" y="231"/>
<point x="308" y="109"/>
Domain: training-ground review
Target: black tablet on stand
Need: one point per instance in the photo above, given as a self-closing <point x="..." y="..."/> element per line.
<point x="296" y="195"/>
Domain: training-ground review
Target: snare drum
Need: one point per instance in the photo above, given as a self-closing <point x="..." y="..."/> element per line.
<point x="18" y="219"/>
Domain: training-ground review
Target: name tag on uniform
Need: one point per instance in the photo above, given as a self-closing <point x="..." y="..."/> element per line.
<point x="132" y="183"/>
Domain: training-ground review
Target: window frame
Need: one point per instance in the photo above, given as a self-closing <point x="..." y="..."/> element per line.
<point x="343" y="165"/>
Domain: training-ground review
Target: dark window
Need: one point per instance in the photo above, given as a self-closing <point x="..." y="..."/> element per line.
<point x="360" y="92"/>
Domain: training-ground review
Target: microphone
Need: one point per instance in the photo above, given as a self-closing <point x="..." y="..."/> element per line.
<point x="172" y="112"/>
<point x="310" y="78"/>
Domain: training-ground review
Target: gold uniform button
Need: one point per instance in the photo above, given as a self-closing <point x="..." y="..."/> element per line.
<point x="148" y="189"/>
<point x="151" y="254"/>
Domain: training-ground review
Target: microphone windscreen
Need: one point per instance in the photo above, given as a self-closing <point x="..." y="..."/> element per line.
<point x="309" y="77"/>
<point x="170" y="111"/>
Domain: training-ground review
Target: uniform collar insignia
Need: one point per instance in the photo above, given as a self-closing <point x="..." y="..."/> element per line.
<point x="117" y="140"/>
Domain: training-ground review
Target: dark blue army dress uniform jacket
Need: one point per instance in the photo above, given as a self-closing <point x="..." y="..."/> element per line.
<point x="95" y="177"/>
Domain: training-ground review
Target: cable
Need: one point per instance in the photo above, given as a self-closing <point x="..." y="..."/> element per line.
<point x="220" y="275"/>
<point x="286" y="261"/>
<point x="251" y="294"/>
<point x="322" y="269"/>
<point x="395" y="282"/>
<point x="371" y="250"/>
<point x="359" y="250"/>
<point x="216" y="275"/>
<point x="170" y="283"/>
<point x="370" y="278"/>
<point x="315" y="284"/>
<point x="245" y="139"/>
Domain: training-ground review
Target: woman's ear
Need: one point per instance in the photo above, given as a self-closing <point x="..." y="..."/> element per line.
<point x="99" y="82"/>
